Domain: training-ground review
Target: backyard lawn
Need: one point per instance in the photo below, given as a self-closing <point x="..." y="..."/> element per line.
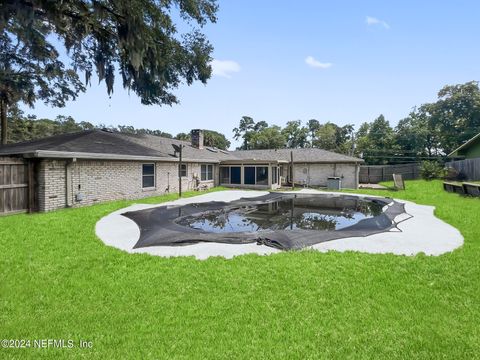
<point x="58" y="281"/>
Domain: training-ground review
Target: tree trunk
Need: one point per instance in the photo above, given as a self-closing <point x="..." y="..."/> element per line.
<point x="3" y="121"/>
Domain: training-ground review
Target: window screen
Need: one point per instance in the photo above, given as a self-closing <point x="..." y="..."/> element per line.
<point x="262" y="175"/>
<point x="206" y="172"/>
<point x="183" y="170"/>
<point x="148" y="175"/>
<point x="224" y="175"/>
<point x="235" y="175"/>
<point x="249" y="175"/>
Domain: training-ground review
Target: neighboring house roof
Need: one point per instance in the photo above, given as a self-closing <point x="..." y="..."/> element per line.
<point x="467" y="145"/>
<point x="100" y="144"/>
<point x="306" y="155"/>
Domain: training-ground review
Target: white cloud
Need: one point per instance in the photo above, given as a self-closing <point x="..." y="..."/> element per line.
<point x="224" y="68"/>
<point x="374" y="21"/>
<point x="311" y="61"/>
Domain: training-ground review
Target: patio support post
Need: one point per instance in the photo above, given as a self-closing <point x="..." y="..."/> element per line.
<point x="179" y="149"/>
<point x="180" y="172"/>
<point x="291" y="170"/>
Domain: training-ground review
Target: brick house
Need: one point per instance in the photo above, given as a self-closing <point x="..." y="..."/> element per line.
<point x="78" y="169"/>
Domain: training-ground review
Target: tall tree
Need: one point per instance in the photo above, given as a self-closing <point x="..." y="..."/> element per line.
<point x="313" y="126"/>
<point x="345" y="139"/>
<point x="215" y="139"/>
<point x="268" y="138"/>
<point x="260" y="125"/>
<point x="418" y="135"/>
<point x="376" y="141"/>
<point x="456" y="113"/>
<point x="244" y="131"/>
<point x="295" y="134"/>
<point x="137" y="38"/>
<point x="183" y="136"/>
<point x="30" y="70"/>
<point x="326" y="137"/>
<point x="26" y="128"/>
<point x="330" y="136"/>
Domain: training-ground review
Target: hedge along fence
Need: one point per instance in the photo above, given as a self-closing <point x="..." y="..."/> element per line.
<point x="469" y="168"/>
<point x="373" y="174"/>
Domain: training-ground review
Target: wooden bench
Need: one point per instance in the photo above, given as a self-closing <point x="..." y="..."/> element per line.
<point x="453" y="187"/>
<point x="465" y="188"/>
<point x="471" y="189"/>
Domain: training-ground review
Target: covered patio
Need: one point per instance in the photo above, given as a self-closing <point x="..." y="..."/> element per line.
<point x="254" y="174"/>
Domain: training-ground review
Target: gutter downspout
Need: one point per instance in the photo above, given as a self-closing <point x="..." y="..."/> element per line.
<point x="69" y="182"/>
<point x="357" y="175"/>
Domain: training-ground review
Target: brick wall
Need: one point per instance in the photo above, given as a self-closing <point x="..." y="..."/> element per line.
<point x="317" y="174"/>
<point x="98" y="181"/>
<point x="51" y="185"/>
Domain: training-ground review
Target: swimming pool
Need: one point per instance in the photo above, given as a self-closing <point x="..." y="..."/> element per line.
<point x="285" y="213"/>
<point x="282" y="221"/>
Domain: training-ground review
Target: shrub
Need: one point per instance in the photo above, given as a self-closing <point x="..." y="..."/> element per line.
<point x="430" y="170"/>
<point x="453" y="174"/>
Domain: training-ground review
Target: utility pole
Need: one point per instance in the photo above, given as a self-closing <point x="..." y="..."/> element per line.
<point x="353" y="143"/>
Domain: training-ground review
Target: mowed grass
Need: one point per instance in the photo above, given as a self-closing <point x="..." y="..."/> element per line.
<point x="59" y="281"/>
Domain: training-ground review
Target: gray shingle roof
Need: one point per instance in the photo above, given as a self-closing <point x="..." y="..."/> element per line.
<point x="164" y="145"/>
<point x="90" y="141"/>
<point x="308" y="155"/>
<point x="104" y="142"/>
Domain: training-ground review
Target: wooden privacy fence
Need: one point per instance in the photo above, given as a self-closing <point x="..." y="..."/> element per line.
<point x="469" y="168"/>
<point x="373" y="174"/>
<point x="16" y="186"/>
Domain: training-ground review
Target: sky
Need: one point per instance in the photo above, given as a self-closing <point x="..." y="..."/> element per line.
<point x="343" y="61"/>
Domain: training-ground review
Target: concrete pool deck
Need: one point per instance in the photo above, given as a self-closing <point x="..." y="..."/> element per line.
<point x="422" y="233"/>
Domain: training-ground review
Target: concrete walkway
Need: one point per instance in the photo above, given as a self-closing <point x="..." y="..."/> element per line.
<point x="421" y="233"/>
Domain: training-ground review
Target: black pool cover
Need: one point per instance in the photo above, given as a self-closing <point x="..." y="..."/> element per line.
<point x="277" y="226"/>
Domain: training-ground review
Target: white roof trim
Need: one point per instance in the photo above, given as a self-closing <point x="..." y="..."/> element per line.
<point x="102" y="156"/>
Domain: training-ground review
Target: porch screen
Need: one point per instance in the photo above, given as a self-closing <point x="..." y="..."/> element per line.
<point x="262" y="175"/>
<point x="224" y="175"/>
<point x="249" y="175"/>
<point x="235" y="177"/>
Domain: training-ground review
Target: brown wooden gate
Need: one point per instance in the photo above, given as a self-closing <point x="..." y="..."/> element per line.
<point x="16" y="186"/>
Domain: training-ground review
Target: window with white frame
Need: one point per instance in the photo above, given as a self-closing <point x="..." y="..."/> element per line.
<point x="206" y="172"/>
<point x="148" y="175"/>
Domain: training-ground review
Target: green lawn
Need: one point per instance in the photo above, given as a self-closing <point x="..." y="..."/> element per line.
<point x="58" y="281"/>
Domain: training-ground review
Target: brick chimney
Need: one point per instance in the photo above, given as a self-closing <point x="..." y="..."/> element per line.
<point x="197" y="138"/>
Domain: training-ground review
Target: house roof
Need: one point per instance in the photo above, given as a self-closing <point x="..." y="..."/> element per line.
<point x="474" y="140"/>
<point x="100" y="144"/>
<point x="164" y="145"/>
<point x="91" y="142"/>
<point x="306" y="155"/>
<point x="109" y="145"/>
